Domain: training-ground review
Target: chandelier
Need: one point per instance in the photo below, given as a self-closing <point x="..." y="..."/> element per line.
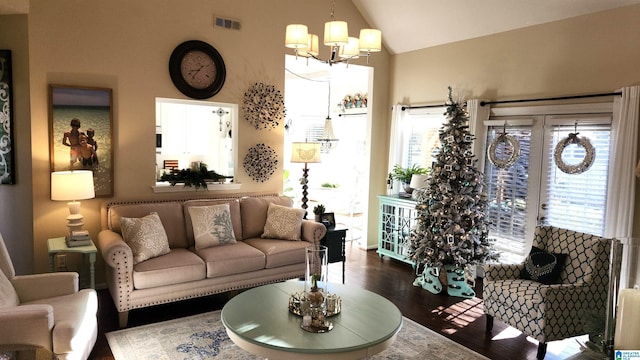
<point x="336" y="36"/>
<point x="328" y="139"/>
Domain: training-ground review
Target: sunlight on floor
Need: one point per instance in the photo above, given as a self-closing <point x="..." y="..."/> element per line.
<point x="460" y="314"/>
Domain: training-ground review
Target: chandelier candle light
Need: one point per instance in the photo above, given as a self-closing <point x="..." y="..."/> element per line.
<point x="72" y="186"/>
<point x="336" y="35"/>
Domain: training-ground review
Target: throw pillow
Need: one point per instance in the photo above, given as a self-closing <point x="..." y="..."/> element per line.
<point x="543" y="266"/>
<point x="283" y="222"/>
<point x="212" y="225"/>
<point x="8" y="295"/>
<point x="145" y="236"/>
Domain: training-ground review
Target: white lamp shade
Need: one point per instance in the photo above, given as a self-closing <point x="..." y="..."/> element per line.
<point x="296" y="36"/>
<point x="312" y="46"/>
<point x="370" y="40"/>
<point x="305" y="152"/>
<point x="72" y="185"/>
<point x="327" y="132"/>
<point x="336" y="33"/>
<point x="418" y="181"/>
<point x="351" y="50"/>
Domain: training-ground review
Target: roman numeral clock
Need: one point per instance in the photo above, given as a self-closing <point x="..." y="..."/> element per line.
<point x="197" y="69"/>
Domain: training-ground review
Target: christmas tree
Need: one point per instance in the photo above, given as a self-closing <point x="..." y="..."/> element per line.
<point x="451" y="227"/>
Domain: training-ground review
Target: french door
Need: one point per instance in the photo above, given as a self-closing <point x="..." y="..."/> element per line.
<point x="534" y="190"/>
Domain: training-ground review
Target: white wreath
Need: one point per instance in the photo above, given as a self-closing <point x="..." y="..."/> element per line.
<point x="587" y="161"/>
<point x="504" y="163"/>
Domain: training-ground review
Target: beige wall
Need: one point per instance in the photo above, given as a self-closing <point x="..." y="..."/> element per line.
<point x="587" y="54"/>
<point x="596" y="53"/>
<point x="15" y="200"/>
<point x="125" y="45"/>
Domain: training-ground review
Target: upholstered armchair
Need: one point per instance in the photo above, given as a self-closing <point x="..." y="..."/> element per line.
<point x="549" y="312"/>
<point x="47" y="311"/>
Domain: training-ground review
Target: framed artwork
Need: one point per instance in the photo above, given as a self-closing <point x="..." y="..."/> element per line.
<point x="329" y="219"/>
<point x="81" y="129"/>
<point x="7" y="156"/>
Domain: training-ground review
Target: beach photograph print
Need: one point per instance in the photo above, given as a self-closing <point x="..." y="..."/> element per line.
<point x="81" y="133"/>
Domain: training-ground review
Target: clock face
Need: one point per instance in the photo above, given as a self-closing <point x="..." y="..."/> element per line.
<point x="197" y="69"/>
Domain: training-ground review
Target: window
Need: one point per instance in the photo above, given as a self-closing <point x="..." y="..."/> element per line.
<point x="416" y="136"/>
<point x="534" y="190"/>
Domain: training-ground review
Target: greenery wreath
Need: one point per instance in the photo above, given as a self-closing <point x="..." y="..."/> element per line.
<point x="260" y="162"/>
<point x="515" y="153"/>
<point x="263" y="106"/>
<point x="587" y="161"/>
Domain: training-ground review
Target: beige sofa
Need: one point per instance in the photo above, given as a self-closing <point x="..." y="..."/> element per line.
<point x="186" y="272"/>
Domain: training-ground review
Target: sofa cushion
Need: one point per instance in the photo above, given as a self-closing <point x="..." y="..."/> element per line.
<point x="211" y="225"/>
<point x="232" y="259"/>
<point x="254" y="213"/>
<point x="8" y="295"/>
<point x="283" y="222"/>
<point x="234" y="211"/>
<point x="280" y="252"/>
<point x="543" y="266"/>
<point x="179" y="266"/>
<point x="170" y="213"/>
<point x="145" y="236"/>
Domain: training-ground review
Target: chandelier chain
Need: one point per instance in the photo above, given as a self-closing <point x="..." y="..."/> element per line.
<point x="333" y="10"/>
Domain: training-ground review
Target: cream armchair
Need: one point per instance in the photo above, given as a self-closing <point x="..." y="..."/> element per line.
<point x="46" y="310"/>
<point x="557" y="311"/>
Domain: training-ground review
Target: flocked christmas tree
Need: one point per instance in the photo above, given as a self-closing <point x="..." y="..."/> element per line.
<point x="451" y="229"/>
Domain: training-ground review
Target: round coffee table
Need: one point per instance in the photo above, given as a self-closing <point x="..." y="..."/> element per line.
<point x="258" y="320"/>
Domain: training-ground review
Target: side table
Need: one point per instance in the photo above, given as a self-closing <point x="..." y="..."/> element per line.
<point x="334" y="240"/>
<point x="59" y="245"/>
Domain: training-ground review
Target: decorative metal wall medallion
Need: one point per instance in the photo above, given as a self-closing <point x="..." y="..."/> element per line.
<point x="260" y="162"/>
<point x="263" y="106"/>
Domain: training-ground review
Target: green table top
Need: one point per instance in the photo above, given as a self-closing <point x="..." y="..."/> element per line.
<point x="260" y="316"/>
<point x="59" y="244"/>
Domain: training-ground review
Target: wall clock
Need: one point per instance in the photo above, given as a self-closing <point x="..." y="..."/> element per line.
<point x="197" y="69"/>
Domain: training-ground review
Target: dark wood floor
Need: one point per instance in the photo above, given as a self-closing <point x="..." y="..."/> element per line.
<point x="461" y="320"/>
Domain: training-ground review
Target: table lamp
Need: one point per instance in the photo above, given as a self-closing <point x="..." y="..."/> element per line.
<point x="305" y="152"/>
<point x="72" y="186"/>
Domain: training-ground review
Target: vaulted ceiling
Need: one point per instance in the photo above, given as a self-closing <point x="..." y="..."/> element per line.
<point x="409" y="25"/>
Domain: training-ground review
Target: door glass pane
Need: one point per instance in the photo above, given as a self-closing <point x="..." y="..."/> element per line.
<point x="507" y="194"/>
<point x="577" y="201"/>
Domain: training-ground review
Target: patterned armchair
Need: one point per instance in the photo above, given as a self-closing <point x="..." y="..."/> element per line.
<point x="557" y="311"/>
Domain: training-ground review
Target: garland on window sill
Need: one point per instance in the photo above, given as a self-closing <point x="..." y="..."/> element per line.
<point x="197" y="178"/>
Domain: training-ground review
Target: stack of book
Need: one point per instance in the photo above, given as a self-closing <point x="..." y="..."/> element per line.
<point x="78" y="238"/>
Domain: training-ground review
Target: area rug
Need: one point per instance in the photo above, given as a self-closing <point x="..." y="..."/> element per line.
<point x="203" y="337"/>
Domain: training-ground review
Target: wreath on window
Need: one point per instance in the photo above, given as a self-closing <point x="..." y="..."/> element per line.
<point x="260" y="162"/>
<point x="587" y="161"/>
<point x="504" y="163"/>
<point x="263" y="106"/>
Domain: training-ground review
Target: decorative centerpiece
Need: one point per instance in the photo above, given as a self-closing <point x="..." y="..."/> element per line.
<point x="313" y="305"/>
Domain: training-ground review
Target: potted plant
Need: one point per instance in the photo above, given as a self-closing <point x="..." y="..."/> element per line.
<point x="404" y="174"/>
<point x="318" y="210"/>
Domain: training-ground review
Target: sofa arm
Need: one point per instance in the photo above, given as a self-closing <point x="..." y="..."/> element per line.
<point x="313" y="231"/>
<point x="42" y="286"/>
<point x="30" y="325"/>
<point x="118" y="260"/>
<point x="494" y="272"/>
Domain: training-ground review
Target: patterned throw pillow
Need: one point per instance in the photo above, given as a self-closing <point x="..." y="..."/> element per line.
<point x="145" y="236"/>
<point x="212" y="225"/>
<point x="283" y="222"/>
<point x="543" y="267"/>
